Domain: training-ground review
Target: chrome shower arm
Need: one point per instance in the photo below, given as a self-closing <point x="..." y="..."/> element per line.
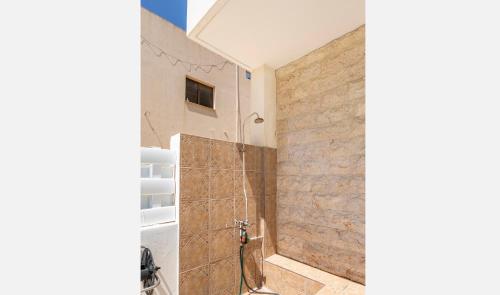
<point x="243" y="130"/>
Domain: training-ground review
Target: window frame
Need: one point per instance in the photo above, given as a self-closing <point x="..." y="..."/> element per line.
<point x="198" y="81"/>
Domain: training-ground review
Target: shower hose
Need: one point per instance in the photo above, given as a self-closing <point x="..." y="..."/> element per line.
<point x="243" y="279"/>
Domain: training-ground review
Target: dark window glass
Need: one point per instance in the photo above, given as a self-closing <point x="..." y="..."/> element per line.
<point x="206" y="95"/>
<point x="191" y="91"/>
<point x="199" y="93"/>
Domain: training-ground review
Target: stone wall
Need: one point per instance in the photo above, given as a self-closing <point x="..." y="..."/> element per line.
<point x="321" y="157"/>
<point x="211" y="198"/>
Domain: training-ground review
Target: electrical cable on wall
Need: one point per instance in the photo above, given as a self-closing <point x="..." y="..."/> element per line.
<point x="146" y="114"/>
<point x="189" y="66"/>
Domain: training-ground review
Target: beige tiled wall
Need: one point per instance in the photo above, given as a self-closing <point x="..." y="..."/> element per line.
<point x="211" y="198"/>
<point x="321" y="157"/>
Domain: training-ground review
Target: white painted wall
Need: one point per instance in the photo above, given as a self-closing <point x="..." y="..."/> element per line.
<point x="163" y="87"/>
<point x="263" y="101"/>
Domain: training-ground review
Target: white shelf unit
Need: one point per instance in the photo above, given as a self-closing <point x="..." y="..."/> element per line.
<point x="158" y="202"/>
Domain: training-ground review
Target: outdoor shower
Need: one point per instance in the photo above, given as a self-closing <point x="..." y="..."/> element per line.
<point x="257" y="120"/>
<point x="243" y="224"/>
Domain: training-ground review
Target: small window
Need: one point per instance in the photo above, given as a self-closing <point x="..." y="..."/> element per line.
<point x="199" y="93"/>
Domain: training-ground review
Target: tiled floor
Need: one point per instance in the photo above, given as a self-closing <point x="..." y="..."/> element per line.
<point x="294" y="277"/>
<point x="263" y="289"/>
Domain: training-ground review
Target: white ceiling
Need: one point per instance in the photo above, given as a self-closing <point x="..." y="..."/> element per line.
<point x="274" y="32"/>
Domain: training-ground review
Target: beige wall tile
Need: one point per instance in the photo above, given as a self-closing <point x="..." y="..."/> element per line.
<point x="221" y="244"/>
<point x="253" y="209"/>
<point x="270" y="156"/>
<point x="221" y="183"/>
<point x="193" y="251"/>
<point x="195" y="151"/>
<point x="193" y="217"/>
<point x="270" y="235"/>
<point x="221" y="154"/>
<point x="222" y="276"/>
<point x="254" y="183"/>
<point x="250" y="157"/>
<point x="194" y="282"/>
<point x="194" y="183"/>
<point x="270" y="186"/>
<point x="221" y="213"/>
<point x="259" y="159"/>
<point x="219" y="206"/>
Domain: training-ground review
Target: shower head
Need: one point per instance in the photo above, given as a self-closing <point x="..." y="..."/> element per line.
<point x="259" y="120"/>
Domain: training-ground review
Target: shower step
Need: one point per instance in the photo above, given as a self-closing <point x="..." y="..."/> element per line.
<point x="288" y="276"/>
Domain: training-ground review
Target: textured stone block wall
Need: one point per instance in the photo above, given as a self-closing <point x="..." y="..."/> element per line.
<point x="211" y="198"/>
<point x="321" y="157"/>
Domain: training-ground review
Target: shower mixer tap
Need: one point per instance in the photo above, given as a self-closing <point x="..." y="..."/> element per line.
<point x="242" y="225"/>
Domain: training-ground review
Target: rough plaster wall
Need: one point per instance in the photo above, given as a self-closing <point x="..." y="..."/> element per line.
<point x="163" y="87"/>
<point x="321" y="157"/>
